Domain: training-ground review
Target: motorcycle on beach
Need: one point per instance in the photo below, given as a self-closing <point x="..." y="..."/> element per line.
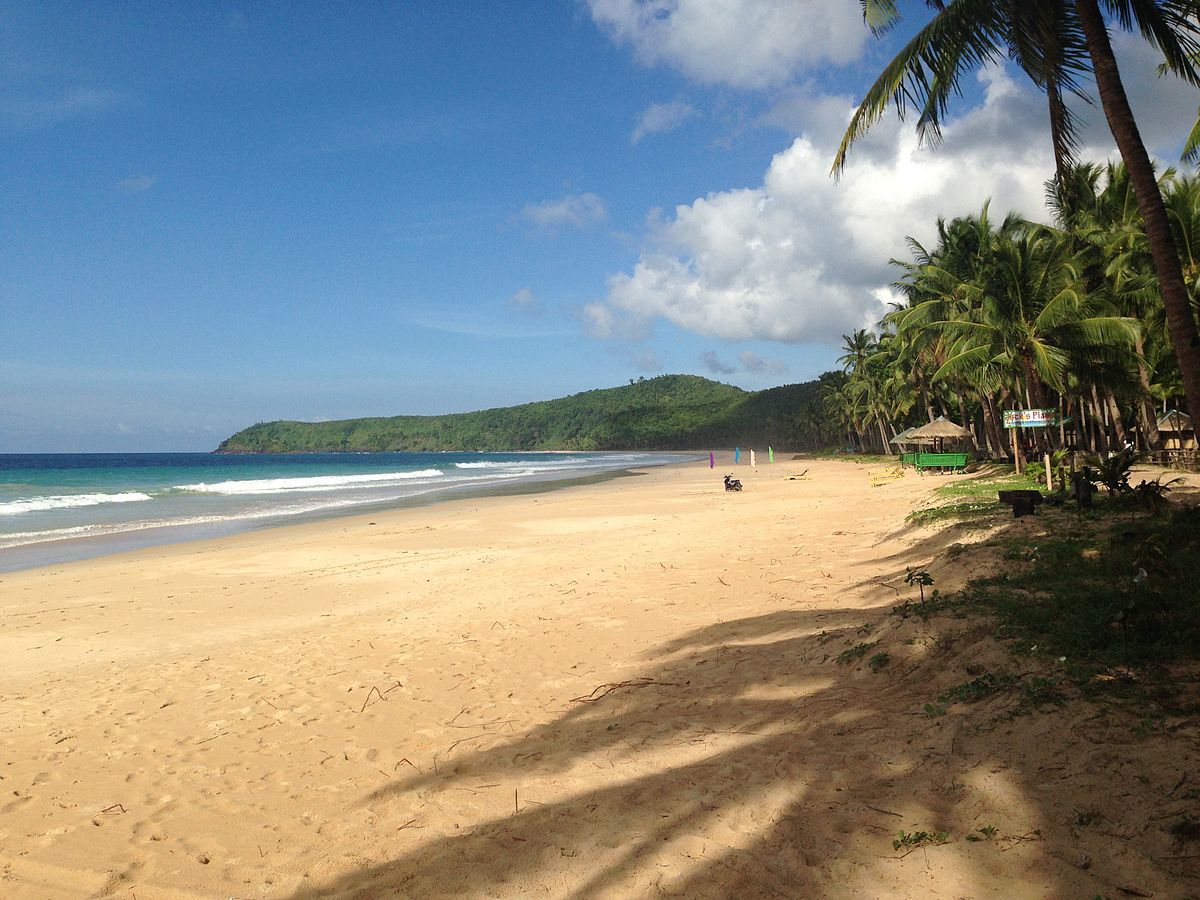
<point x="732" y="484"/>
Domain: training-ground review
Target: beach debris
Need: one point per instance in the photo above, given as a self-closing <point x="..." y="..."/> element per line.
<point x="382" y="695"/>
<point x="603" y="690"/>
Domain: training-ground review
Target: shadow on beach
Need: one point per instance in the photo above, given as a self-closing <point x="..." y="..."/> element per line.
<point x="767" y="756"/>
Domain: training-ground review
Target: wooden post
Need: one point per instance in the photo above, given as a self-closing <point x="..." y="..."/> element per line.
<point x="1049" y="480"/>
<point x="1016" y="450"/>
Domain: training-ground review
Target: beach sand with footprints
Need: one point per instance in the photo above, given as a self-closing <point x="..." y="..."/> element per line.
<point x="645" y="686"/>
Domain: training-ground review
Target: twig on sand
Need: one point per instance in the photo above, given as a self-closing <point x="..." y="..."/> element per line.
<point x="411" y="823"/>
<point x="723" y="581"/>
<point x="116" y="807"/>
<point x="472" y="738"/>
<point x="213" y="738"/>
<point x="884" y="811"/>
<point x="604" y="690"/>
<point x="381" y="694"/>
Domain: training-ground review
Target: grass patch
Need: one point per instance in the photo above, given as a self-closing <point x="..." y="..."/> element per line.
<point x="858" y="651"/>
<point x="910" y="840"/>
<point x="973" y="501"/>
<point x="1111" y="591"/>
<point x="977" y="688"/>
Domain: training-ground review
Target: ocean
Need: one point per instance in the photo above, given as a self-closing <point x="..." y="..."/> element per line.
<point x="61" y="507"/>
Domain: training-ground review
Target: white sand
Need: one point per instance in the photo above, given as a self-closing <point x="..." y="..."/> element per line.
<point x="613" y="690"/>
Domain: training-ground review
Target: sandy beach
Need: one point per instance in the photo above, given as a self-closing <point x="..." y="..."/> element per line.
<point x="615" y="690"/>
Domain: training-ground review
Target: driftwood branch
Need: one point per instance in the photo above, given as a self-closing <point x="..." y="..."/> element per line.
<point x="604" y="690"/>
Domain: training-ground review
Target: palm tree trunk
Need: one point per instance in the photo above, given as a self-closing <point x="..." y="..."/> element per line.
<point x="1036" y="396"/>
<point x="987" y="427"/>
<point x="1181" y="324"/>
<point x="967" y="423"/>
<point x="1146" y="404"/>
<point x="1083" y="426"/>
<point x="1100" y="417"/>
<point x="1115" y="412"/>
<point x="999" y="434"/>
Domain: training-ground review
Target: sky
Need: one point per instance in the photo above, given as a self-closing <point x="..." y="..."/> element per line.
<point x="216" y="214"/>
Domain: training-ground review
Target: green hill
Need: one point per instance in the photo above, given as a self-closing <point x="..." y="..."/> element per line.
<point x="671" y="412"/>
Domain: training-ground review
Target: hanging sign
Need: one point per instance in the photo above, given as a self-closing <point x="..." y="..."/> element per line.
<point x="1030" y="418"/>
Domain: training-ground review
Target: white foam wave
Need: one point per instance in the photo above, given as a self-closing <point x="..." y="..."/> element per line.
<point x="68" y="501"/>
<point x="312" y="483"/>
<point x="565" y="462"/>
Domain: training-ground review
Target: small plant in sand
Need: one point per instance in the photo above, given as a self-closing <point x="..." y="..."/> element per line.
<point x="919" y="577"/>
<point x="878" y="661"/>
<point x="987" y="832"/>
<point x="1152" y="495"/>
<point x="858" y="651"/>
<point x="977" y="688"/>
<point x="910" y="840"/>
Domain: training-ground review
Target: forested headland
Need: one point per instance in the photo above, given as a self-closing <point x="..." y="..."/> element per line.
<point x="670" y="412"/>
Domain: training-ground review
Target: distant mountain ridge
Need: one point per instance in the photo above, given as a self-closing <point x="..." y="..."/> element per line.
<point x="670" y="412"/>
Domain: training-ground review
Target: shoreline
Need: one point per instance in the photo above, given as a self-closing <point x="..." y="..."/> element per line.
<point x="645" y="685"/>
<point x="40" y="554"/>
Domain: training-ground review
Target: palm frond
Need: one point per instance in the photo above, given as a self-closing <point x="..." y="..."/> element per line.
<point x="964" y="35"/>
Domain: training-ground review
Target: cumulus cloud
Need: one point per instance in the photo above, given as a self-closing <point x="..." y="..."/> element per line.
<point x="574" y="211"/>
<point x="744" y="43"/>
<point x="712" y="363"/>
<point x="802" y="258"/>
<point x="661" y="117"/>
<point x="524" y="301"/>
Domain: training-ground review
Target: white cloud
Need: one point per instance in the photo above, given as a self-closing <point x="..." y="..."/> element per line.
<point x="41" y="112"/>
<point x="661" y="117"/>
<point x="804" y="258"/>
<point x="598" y="320"/>
<point x="575" y="211"/>
<point x="524" y="301"/>
<point x="136" y="184"/>
<point x="744" y="43"/>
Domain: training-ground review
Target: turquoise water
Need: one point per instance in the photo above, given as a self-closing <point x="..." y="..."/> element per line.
<point x="58" y="507"/>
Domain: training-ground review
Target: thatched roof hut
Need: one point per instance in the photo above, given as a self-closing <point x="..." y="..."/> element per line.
<point x="940" y="428"/>
<point x="1177" y="431"/>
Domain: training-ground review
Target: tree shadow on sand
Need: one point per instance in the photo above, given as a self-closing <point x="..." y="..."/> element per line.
<point x="771" y="756"/>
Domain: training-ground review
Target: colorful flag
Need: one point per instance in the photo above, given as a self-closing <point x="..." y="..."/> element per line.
<point x="737" y="455"/>
<point x="712" y="460"/>
<point x="752" y="462"/>
<point x="770" y="455"/>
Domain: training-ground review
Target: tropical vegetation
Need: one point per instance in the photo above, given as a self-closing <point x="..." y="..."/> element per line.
<point x="1025" y="315"/>
<point x="682" y="412"/>
<point x="1069" y="317"/>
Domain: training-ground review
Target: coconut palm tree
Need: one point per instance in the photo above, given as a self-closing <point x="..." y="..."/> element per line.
<point x="1054" y="42"/>
<point x="1097" y="209"/>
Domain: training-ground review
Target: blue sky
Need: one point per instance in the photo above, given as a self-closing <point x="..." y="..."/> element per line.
<point x="216" y="214"/>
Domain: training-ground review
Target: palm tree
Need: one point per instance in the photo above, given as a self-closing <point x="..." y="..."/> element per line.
<point x="1054" y="42"/>
<point x="1097" y="209"/>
